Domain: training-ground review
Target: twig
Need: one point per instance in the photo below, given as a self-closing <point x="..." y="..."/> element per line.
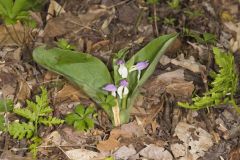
<point x="119" y="4"/>
<point x="155" y="26"/>
<point x="53" y="146"/>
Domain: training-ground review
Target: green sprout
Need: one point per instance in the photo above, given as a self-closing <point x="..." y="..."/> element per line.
<point x="174" y="4"/>
<point x="169" y="21"/>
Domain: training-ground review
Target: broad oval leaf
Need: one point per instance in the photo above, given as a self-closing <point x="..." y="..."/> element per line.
<point x="151" y="53"/>
<point x="86" y="71"/>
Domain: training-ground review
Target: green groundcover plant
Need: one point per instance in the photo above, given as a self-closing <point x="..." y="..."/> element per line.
<point x="81" y="118"/>
<point x="36" y="114"/>
<point x="223" y="87"/>
<point x="115" y="90"/>
<point x="12" y="11"/>
<point x="5" y="106"/>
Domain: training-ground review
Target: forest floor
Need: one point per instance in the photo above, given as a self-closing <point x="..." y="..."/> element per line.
<point x="159" y="129"/>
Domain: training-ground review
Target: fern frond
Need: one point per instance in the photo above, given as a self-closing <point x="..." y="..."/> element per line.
<point x="26" y="113"/>
<point x="223" y="86"/>
<point x="36" y="141"/>
<point x="50" y="121"/>
<point x="21" y="130"/>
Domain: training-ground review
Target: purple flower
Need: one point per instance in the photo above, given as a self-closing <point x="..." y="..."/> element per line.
<point x="138" y="67"/>
<point x="120" y="61"/>
<point x="124" y="83"/>
<point x="110" y="88"/>
<point x="142" y="65"/>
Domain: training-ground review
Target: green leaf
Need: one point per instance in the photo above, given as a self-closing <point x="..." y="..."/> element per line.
<point x="80" y="125"/>
<point x="80" y="118"/>
<point x="151" y="53"/>
<point x="6" y="105"/>
<point x="2" y="121"/>
<point x="71" y="118"/>
<point x="89" y="123"/>
<point x="50" y="121"/>
<point x="80" y="110"/>
<point x="7" y="5"/>
<point x="19" y="5"/>
<point x="87" y="72"/>
<point x="89" y="110"/>
<point x="36" y="141"/>
<point x="21" y="130"/>
<point x="26" y="113"/>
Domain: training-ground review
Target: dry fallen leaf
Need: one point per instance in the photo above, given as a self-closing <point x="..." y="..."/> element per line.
<point x="8" y="155"/>
<point x="196" y="141"/>
<point x="12" y="35"/>
<point x="81" y="154"/>
<point x="109" y="145"/>
<point x="69" y="92"/>
<point x="172" y="82"/>
<point x="125" y="152"/>
<point x="189" y="64"/>
<point x="183" y="89"/>
<point x="24" y="91"/>
<point x="54" y="8"/>
<point x="234" y="43"/>
<point x="66" y="22"/>
<point x="157" y="153"/>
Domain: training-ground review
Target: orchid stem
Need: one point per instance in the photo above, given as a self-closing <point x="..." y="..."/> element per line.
<point x="124" y="103"/>
<point x="116" y="114"/>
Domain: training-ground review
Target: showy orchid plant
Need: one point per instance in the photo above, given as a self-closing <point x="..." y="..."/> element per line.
<point x="115" y="92"/>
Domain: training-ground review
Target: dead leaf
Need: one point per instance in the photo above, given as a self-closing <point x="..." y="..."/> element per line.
<point x="189" y="64"/>
<point x="69" y="92"/>
<point x="234" y="43"/>
<point x="134" y="129"/>
<point x="196" y="141"/>
<point x="81" y="154"/>
<point x="66" y="22"/>
<point x="164" y="60"/>
<point x="24" y="91"/>
<point x="172" y="77"/>
<point x="8" y="155"/>
<point x="157" y="153"/>
<point x="54" y="9"/>
<point x="13" y="35"/>
<point x="125" y="152"/>
<point x="109" y="145"/>
<point x="49" y="76"/>
<point x="234" y="154"/>
<point x="179" y="90"/>
<point x="179" y="150"/>
<point x="54" y="138"/>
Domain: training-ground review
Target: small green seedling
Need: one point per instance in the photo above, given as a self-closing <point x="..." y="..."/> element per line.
<point x="81" y="118"/>
<point x="5" y="106"/>
<point x="35" y="114"/>
<point x="12" y="11"/>
<point x="153" y="1"/>
<point x="174" y="4"/>
<point x="169" y="21"/>
<point x="153" y="18"/>
<point x="63" y="43"/>
<point x="223" y="87"/>
<point x="205" y="38"/>
<point x="193" y="14"/>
